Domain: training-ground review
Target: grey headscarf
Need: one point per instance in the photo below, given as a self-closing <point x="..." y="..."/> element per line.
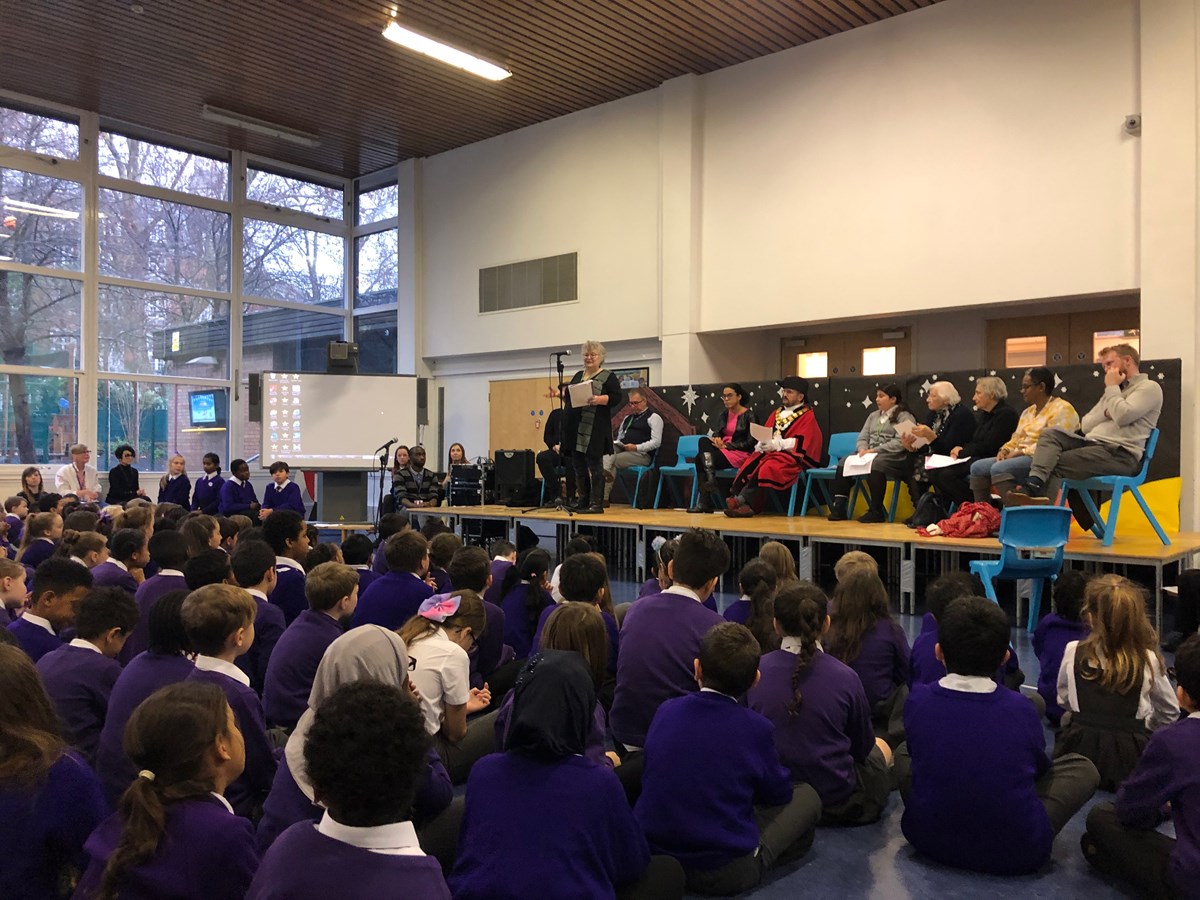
<point x="367" y="652"/>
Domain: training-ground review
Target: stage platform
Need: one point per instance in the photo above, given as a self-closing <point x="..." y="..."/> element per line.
<point x="811" y="533"/>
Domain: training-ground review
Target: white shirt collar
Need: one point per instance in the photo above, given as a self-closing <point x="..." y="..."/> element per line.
<point x="84" y="645"/>
<point x="1195" y="715"/>
<point x="47" y="540"/>
<point x="170" y="572"/>
<point x="212" y="664"/>
<point x="394" y="839"/>
<point x="795" y="645"/>
<point x="968" y="684"/>
<point x="788" y="409"/>
<point x="39" y="622"/>
<point x="224" y="802"/>
<point x="288" y="563"/>
<point x="236" y="480"/>
<point x="683" y="592"/>
<point x="120" y="565"/>
<point x="209" y="476"/>
<point x="255" y="592"/>
<point x="362" y="567"/>
<point x="76" y="559"/>
<point x="501" y="559"/>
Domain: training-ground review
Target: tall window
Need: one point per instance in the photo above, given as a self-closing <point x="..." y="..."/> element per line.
<point x="376" y="276"/>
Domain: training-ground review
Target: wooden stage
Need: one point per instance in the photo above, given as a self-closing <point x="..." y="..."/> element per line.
<point x="811" y="533"/>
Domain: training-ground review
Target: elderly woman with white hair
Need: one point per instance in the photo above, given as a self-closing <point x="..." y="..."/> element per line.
<point x="995" y="423"/>
<point x="587" y="431"/>
<point x="949" y="424"/>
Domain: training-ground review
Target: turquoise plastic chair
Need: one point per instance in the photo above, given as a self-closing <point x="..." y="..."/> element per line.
<point x="841" y="445"/>
<point x="1032" y="539"/>
<point x="640" y="471"/>
<point x="685" y="451"/>
<point x="1106" y="529"/>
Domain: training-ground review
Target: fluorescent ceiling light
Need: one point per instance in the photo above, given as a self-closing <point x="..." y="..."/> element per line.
<point x="460" y="59"/>
<point x="258" y="126"/>
<point x="36" y="209"/>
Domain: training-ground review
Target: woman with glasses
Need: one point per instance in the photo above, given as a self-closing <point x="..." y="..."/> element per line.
<point x="728" y="448"/>
<point x="123" y="477"/>
<point x="1010" y="466"/>
<point x="587" y="434"/>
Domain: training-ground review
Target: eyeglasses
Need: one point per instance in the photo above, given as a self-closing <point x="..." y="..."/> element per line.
<point x="728" y="396"/>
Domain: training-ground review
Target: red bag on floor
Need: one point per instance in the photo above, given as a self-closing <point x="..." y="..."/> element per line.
<point x="971" y="520"/>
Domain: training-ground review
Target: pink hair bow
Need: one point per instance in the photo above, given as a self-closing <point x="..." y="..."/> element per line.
<point x="439" y="607"/>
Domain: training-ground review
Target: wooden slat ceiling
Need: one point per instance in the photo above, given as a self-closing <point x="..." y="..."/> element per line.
<point x="322" y="66"/>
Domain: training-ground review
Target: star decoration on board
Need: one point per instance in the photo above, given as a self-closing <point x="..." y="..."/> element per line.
<point x="779" y="391"/>
<point x="704" y="418"/>
<point x="925" y="386"/>
<point x="992" y="372"/>
<point x="848" y="404"/>
<point x="1057" y="380"/>
<point x="1095" y="374"/>
<point x="689" y="398"/>
<point x="866" y="402"/>
<point x="970" y="378"/>
<point x="1161" y="376"/>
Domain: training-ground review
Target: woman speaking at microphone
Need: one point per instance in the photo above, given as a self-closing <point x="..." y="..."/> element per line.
<point x="587" y="432"/>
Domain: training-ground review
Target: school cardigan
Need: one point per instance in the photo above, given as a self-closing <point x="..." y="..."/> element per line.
<point x="79" y="680"/>
<point x="391" y="600"/>
<point x="975" y="760"/>
<point x="252" y="785"/>
<point x="207" y="496"/>
<point x="289" y="594"/>
<point x="35" y="640"/>
<point x="293" y="666"/>
<point x="698" y="813"/>
<point x="286" y="804"/>
<point x="285" y="497"/>
<point x="206" y="853"/>
<point x="46" y="826"/>
<point x="882" y="661"/>
<point x="660" y="638"/>
<point x="831" y="730"/>
<point x="545" y="829"/>
<point x="304" y="864"/>
<point x="269" y="627"/>
<point x="110" y="573"/>
<point x="148" y="593"/>
<point x="176" y="490"/>
<point x="518" y="630"/>
<point x="236" y="498"/>
<point x="1167" y="773"/>
<point x="1050" y="640"/>
<point x="145" y="674"/>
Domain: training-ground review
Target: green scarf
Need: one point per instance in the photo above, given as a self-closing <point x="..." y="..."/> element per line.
<point x="587" y="419"/>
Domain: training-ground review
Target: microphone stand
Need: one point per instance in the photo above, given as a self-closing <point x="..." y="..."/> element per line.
<point x="383" y="461"/>
<point x="558" y="362"/>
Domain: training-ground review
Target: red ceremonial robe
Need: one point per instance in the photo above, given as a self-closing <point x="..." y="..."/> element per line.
<point x="779" y="470"/>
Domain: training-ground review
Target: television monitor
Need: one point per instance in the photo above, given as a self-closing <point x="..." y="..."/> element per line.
<point x="208" y="409"/>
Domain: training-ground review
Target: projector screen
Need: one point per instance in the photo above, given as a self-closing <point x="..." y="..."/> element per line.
<point x="334" y="421"/>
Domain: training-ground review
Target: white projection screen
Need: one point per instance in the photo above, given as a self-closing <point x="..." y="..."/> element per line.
<point x="334" y="421"/>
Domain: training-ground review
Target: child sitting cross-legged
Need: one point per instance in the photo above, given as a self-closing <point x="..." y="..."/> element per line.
<point x="975" y="764"/>
<point x="725" y="831"/>
<point x="1054" y="632"/>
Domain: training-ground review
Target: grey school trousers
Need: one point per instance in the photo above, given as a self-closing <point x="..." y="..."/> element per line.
<point x="1135" y="855"/>
<point x="1060" y="455"/>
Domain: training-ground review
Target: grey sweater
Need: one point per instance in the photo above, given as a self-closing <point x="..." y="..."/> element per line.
<point x="879" y="433"/>
<point x="1125" y="414"/>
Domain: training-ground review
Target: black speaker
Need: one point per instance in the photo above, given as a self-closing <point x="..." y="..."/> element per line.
<point x="514" y="473"/>
<point x="422" y="401"/>
<point x="254" y="398"/>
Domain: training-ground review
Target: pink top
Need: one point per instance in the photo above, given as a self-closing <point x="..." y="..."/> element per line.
<point x="735" y="457"/>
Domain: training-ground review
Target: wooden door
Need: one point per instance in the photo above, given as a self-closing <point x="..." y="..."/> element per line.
<point x="517" y="412"/>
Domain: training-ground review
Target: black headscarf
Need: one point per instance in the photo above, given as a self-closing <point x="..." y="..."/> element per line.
<point x="554" y="702"/>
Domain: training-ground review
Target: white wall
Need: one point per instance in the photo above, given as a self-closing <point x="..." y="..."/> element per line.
<point x="587" y="182"/>
<point x="970" y="152"/>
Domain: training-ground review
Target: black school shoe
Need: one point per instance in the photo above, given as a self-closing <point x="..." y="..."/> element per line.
<point x="593" y="510"/>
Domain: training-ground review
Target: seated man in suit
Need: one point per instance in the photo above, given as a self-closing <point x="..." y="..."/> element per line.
<point x="639" y="435"/>
<point x="1111" y="439"/>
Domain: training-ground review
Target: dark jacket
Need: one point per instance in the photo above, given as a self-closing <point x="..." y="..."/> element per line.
<point x="122" y="484"/>
<point x="957" y="432"/>
<point x="602" y="432"/>
<point x="741" y="439"/>
<point x="992" y="430"/>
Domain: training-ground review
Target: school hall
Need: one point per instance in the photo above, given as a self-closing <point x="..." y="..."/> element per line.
<point x="868" y="190"/>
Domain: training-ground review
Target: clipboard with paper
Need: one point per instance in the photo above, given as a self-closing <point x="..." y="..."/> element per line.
<point x="580" y="393"/>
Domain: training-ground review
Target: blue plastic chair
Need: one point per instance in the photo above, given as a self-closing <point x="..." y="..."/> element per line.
<point x="640" y="471"/>
<point x="685" y="451"/>
<point x="1032" y="539"/>
<point x="1106" y="530"/>
<point x="841" y="445"/>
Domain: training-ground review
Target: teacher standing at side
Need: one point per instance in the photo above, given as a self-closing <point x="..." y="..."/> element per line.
<point x="587" y="432"/>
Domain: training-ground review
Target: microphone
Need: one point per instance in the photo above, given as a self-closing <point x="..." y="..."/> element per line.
<point x="561" y="353"/>
<point x="388" y="444"/>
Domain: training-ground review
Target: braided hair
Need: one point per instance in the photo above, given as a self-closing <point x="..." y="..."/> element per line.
<point x="802" y="610"/>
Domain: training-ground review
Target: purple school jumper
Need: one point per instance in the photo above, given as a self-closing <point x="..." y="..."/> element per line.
<point x="236" y="498"/>
<point x="1050" y="639"/>
<point x="252" y="785"/>
<point x="206" y="853"/>
<point x="269" y="627"/>
<point x="650" y="586"/>
<point x="286" y="497"/>
<point x="660" y="638"/>
<point x="148" y="593"/>
<point x="293" y="666"/>
<point x="530" y="828"/>
<point x="975" y="760"/>
<point x="16" y="527"/>
<point x="109" y="574"/>
<point x="391" y="600"/>
<point x="829" y="733"/>
<point x="882" y="661"/>
<point x="47" y="825"/>
<point x="441" y="580"/>
<point x="499" y="567"/>
<point x="145" y="674"/>
<point x="923" y="665"/>
<point x="307" y="865"/>
<point x="610" y="625"/>
<point x="80" y="681"/>
<point x="1167" y="773"/>
<point x="34" y="639"/>
<point x="207" y="496"/>
<point x="176" y="490"/>
<point x="288" y="594"/>
<point x="518" y="631"/>
<point x="365" y="578"/>
<point x="689" y="810"/>
<point x="286" y="804"/>
<point x="38" y="552"/>
<point x="490" y="651"/>
<point x="738" y="611"/>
